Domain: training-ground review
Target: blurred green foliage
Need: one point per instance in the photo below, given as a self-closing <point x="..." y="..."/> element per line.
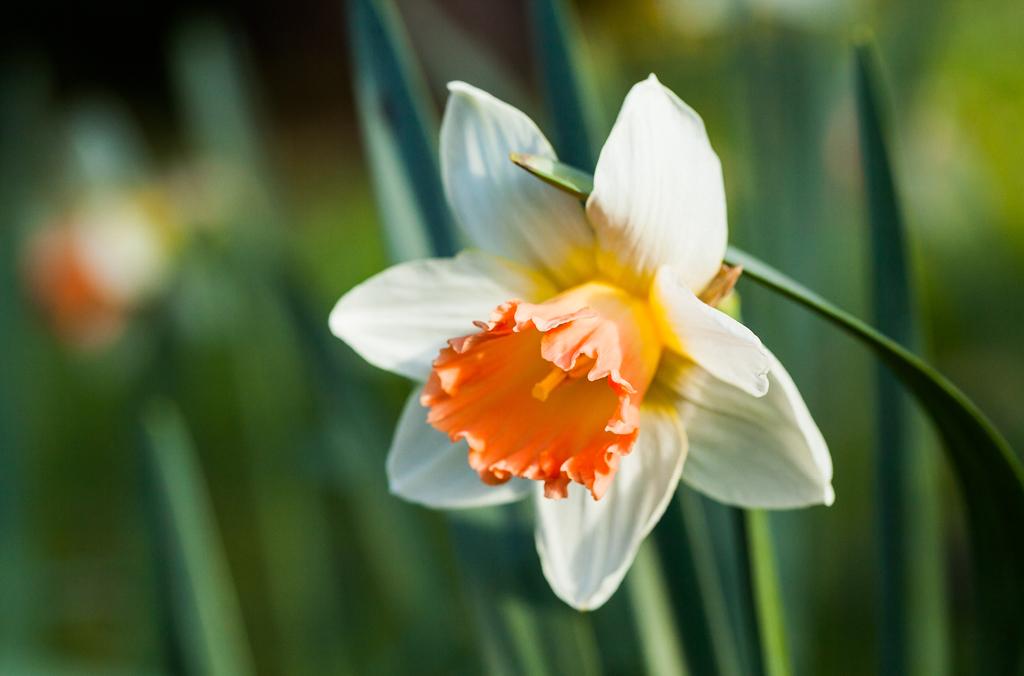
<point x="331" y="573"/>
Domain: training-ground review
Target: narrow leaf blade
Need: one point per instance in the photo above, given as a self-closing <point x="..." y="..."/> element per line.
<point x="395" y="114"/>
<point x="24" y="135"/>
<point x="912" y="627"/>
<point x="556" y="45"/>
<point x="989" y="474"/>
<point x="205" y="607"/>
<point x="566" y="178"/>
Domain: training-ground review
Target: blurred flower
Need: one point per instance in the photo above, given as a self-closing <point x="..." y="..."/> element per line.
<point x="89" y="268"/>
<point x="608" y="368"/>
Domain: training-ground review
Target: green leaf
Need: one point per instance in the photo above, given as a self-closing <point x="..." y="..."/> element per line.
<point x="204" y="603"/>
<point x="699" y="582"/>
<point x="989" y="474"/>
<point x="398" y="130"/>
<point x="912" y="630"/>
<point x="556" y="46"/>
<point x="574" y="181"/>
<point x="25" y="135"/>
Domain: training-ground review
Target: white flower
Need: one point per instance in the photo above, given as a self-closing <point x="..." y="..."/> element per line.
<point x="574" y="356"/>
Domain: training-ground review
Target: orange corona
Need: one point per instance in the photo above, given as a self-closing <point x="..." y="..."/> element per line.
<point x="549" y="391"/>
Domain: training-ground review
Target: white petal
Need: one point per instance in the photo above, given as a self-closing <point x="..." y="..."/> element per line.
<point x="658" y="193"/>
<point x="753" y="452"/>
<point x="501" y="207"/>
<point x="400" y="319"/>
<point x="586" y="546"/>
<point x="425" y="467"/>
<point x="725" y="348"/>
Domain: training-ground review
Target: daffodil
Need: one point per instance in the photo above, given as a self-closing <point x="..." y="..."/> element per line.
<point x="574" y="355"/>
<point x="95" y="264"/>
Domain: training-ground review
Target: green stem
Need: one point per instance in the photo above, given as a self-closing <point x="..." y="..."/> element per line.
<point x="659" y="635"/>
<point x="767" y="597"/>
